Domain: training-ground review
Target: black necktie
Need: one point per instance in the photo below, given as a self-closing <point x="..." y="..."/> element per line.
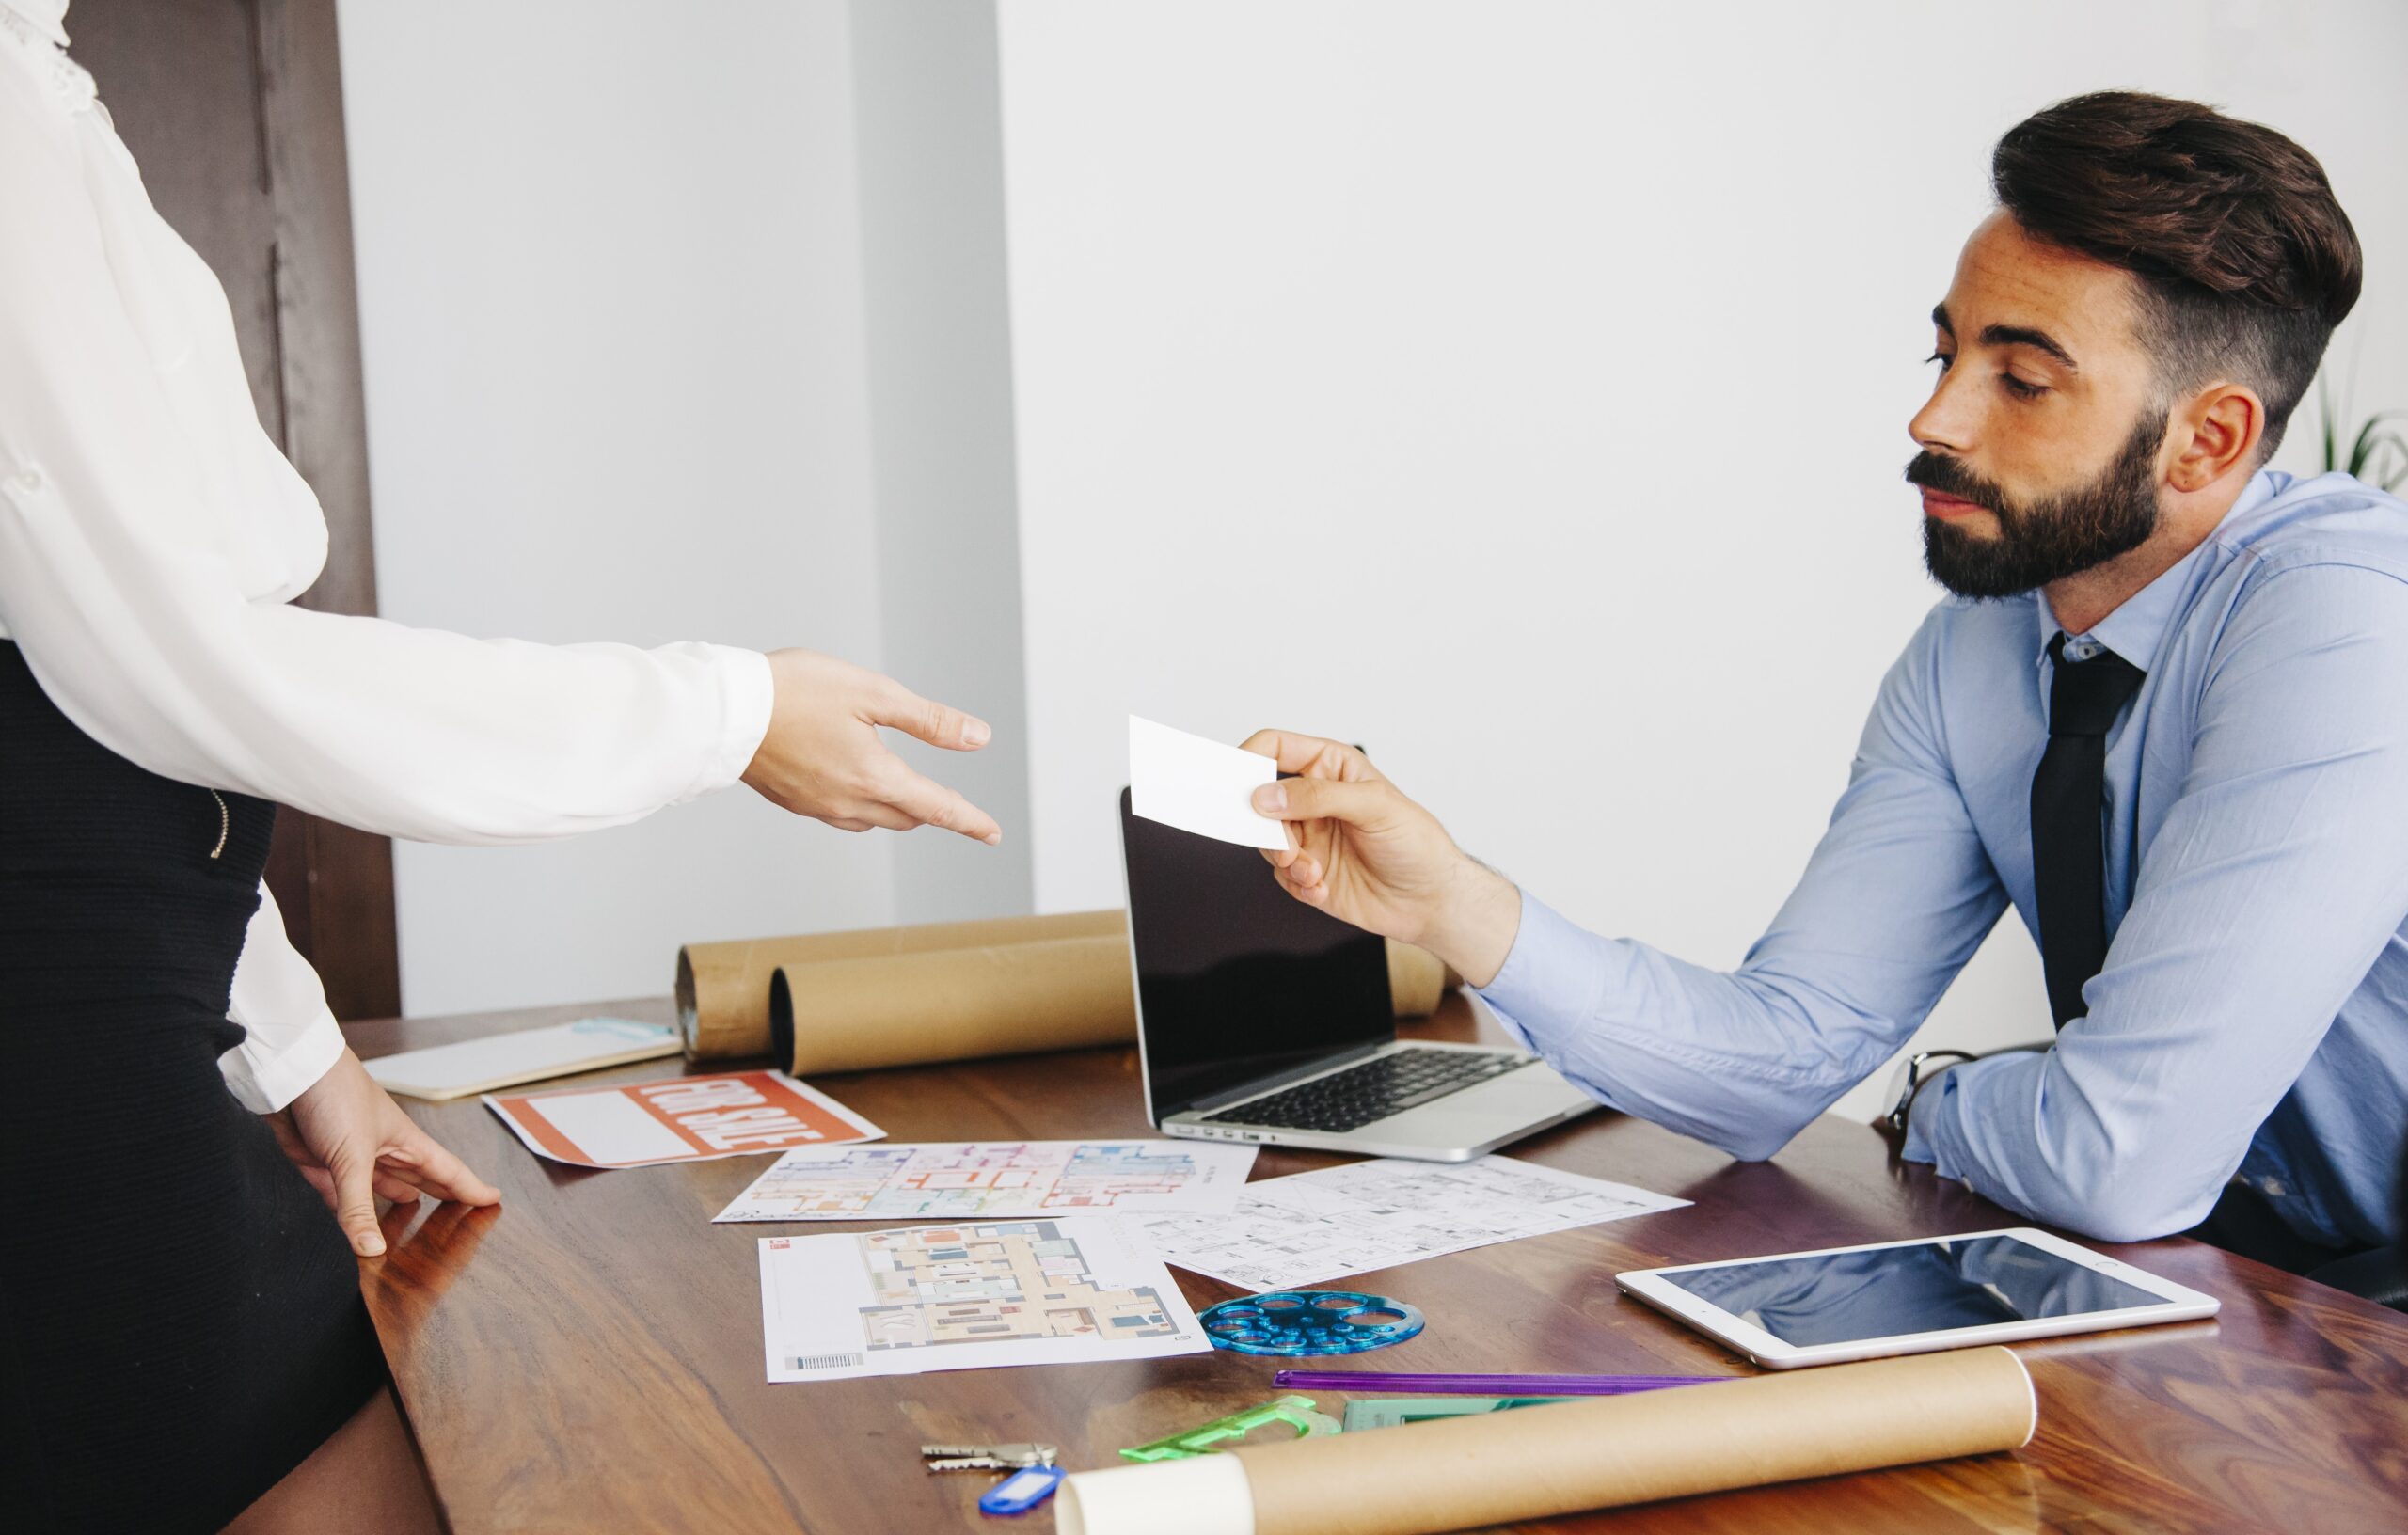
<point x="2069" y="844"/>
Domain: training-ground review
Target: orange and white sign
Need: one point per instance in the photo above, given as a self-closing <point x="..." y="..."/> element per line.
<point x="682" y="1120"/>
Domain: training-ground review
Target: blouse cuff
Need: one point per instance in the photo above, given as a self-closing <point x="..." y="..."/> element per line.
<point x="746" y="694"/>
<point x="264" y="1078"/>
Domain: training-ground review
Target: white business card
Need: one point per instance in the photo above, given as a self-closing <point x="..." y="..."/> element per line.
<point x="1200" y="785"/>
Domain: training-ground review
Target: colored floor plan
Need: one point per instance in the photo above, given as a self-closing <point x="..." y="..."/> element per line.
<point x="967" y="1295"/>
<point x="985" y="1179"/>
<point x="997" y="1280"/>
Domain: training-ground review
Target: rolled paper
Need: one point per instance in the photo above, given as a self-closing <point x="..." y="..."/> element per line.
<point x="724" y="989"/>
<point x="1204" y="1494"/>
<point x="1537" y="1463"/>
<point x="951" y="1004"/>
<point x="1418" y="980"/>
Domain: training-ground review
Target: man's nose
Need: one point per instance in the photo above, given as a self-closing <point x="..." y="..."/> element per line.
<point x="1945" y="423"/>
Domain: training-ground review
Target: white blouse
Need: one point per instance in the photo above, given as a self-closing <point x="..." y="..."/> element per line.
<point x="152" y="538"/>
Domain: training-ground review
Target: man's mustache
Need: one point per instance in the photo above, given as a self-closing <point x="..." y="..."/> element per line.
<point x="1935" y="471"/>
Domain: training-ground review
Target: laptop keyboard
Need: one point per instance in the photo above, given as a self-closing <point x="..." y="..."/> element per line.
<point x="1386" y="1085"/>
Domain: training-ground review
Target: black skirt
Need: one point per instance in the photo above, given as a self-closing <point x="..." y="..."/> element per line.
<point x="179" y="1316"/>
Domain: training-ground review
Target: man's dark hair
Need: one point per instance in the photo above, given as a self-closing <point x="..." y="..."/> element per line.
<point x="2245" y="261"/>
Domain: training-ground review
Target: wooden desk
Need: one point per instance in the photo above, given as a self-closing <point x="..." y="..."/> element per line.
<point x="588" y="1358"/>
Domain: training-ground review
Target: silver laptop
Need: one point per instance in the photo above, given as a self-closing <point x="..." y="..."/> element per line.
<point x="1260" y="1019"/>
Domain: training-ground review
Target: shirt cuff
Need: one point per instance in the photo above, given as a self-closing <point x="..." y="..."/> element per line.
<point x="1924" y="1118"/>
<point x="1545" y="977"/>
<point x="264" y="1079"/>
<point x="748" y="692"/>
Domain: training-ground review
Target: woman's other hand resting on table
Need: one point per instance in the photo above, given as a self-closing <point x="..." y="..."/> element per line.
<point x="356" y="1146"/>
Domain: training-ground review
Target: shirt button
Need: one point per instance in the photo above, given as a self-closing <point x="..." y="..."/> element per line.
<point x="29" y="479"/>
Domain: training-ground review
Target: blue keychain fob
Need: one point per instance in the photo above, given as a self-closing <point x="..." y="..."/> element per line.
<point x="1022" y="1489"/>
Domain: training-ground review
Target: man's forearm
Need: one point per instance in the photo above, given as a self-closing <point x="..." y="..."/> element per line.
<point x="1476" y="922"/>
<point x="1741" y="1061"/>
<point x="2019" y="1130"/>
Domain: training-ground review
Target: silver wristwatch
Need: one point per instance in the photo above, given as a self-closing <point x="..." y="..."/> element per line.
<point x="1914" y="1072"/>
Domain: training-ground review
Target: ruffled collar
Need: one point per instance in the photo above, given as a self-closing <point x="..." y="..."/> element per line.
<point x="47" y="19"/>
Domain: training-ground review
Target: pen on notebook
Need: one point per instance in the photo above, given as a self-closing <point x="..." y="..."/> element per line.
<point x="1487" y="1385"/>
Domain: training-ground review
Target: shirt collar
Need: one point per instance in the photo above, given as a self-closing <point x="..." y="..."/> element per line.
<point x="46" y="17"/>
<point x="2136" y="630"/>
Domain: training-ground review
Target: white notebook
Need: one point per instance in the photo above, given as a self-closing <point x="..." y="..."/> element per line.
<point x="504" y="1060"/>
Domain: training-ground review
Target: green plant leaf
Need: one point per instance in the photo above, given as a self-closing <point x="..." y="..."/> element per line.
<point x="2377" y="452"/>
<point x="2372" y="436"/>
<point x="2396" y="446"/>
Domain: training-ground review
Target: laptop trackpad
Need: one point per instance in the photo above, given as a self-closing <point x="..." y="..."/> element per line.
<point x="1530" y="1095"/>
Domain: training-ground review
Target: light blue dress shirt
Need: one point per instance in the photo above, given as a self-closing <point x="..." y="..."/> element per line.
<point x="2252" y="1015"/>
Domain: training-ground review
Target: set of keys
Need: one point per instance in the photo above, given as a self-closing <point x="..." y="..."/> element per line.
<point x="986" y="1457"/>
<point x="1034" y="1474"/>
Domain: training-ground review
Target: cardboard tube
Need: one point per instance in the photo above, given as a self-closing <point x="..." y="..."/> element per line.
<point x="724" y="989"/>
<point x="1418" y="980"/>
<point x="1537" y="1463"/>
<point x="1206" y="1495"/>
<point x="951" y="1004"/>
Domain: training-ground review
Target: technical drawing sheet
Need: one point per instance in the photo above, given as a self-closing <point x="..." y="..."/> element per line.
<point x="1311" y="1228"/>
<point x="961" y="1180"/>
<point x="969" y="1295"/>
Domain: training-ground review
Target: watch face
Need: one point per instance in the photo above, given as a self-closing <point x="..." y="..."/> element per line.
<point x="1902" y="1090"/>
<point x="1914" y="1072"/>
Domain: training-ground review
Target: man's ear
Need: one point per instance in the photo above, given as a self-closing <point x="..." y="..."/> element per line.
<point x="2216" y="431"/>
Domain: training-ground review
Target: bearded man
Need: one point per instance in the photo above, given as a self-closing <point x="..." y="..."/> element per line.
<point x="2164" y="716"/>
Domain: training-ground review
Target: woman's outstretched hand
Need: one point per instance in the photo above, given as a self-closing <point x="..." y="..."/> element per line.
<point x="823" y="757"/>
<point x="356" y="1146"/>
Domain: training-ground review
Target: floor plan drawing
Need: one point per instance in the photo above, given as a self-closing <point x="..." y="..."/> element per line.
<point x="1311" y="1228"/>
<point x="978" y="1180"/>
<point x="964" y="1296"/>
<point x="976" y="1284"/>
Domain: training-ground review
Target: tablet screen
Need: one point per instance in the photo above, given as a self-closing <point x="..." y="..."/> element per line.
<point x="1932" y="1287"/>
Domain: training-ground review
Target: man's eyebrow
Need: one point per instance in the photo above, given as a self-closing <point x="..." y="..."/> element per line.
<point x="2011" y="336"/>
<point x="2026" y="335"/>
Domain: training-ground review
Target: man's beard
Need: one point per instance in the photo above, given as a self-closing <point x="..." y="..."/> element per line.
<point x="2050" y="539"/>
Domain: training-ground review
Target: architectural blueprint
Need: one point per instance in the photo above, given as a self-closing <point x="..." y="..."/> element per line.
<point x="988" y="1178"/>
<point x="967" y="1296"/>
<point x="1312" y="1228"/>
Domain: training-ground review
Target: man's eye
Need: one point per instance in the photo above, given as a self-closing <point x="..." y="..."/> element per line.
<point x="1941" y="357"/>
<point x="2020" y="389"/>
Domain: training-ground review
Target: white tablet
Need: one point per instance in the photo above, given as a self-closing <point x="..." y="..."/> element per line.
<point x="1911" y="1297"/>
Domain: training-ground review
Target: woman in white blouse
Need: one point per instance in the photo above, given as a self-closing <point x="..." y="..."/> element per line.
<point x="179" y="1330"/>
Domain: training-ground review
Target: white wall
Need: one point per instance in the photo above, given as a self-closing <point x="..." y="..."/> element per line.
<point x="1517" y="388"/>
<point x="1520" y="390"/>
<point x="940" y="387"/>
<point x="612" y="310"/>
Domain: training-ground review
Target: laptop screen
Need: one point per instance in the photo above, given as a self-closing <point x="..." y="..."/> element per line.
<point x="1236" y="978"/>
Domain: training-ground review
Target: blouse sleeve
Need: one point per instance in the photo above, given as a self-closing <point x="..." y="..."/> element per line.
<point x="126" y="602"/>
<point x="290" y="1036"/>
<point x="134" y="599"/>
